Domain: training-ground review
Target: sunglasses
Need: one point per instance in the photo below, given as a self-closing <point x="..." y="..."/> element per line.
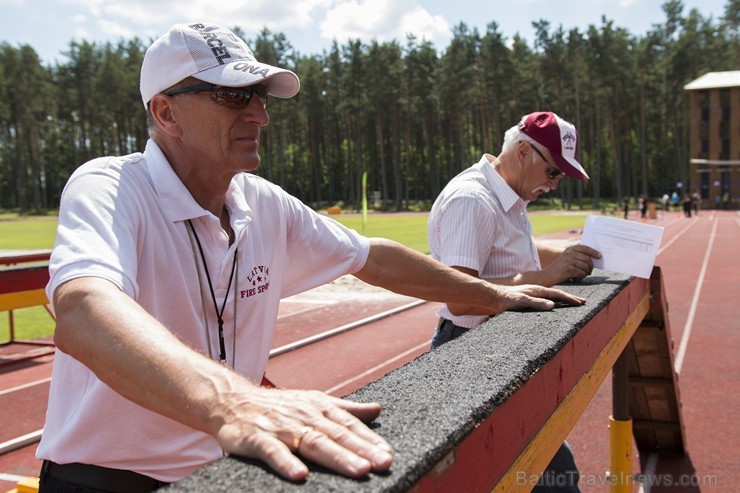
<point x="233" y="97"/>
<point x="553" y="173"/>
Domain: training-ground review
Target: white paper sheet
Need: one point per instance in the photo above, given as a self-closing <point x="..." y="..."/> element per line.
<point x="626" y="247"/>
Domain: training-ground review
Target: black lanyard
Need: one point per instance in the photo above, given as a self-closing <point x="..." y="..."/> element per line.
<point x="219" y="314"/>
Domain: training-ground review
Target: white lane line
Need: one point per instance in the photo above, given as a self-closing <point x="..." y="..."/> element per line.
<point x="652" y="461"/>
<point x="11" y="478"/>
<point x="680" y="233"/>
<point x="389" y="362"/>
<point x="694" y="302"/>
<point x="344" y="328"/>
<point x="20" y="441"/>
<point x="302" y="311"/>
<point x="650" y="468"/>
<point x="309" y="301"/>
<point x="25" y="386"/>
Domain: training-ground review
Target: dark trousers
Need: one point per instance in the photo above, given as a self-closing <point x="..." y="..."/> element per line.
<point x="87" y="478"/>
<point x="561" y="474"/>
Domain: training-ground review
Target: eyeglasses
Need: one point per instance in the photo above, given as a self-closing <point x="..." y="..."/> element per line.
<point x="553" y="173"/>
<point x="233" y="97"/>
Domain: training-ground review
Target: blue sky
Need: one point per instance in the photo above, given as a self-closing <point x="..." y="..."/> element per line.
<point x="310" y="25"/>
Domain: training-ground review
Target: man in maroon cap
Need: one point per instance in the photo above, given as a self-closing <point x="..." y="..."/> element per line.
<point x="479" y="226"/>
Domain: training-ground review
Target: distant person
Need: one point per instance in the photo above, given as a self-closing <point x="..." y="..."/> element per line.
<point x="643" y="206"/>
<point x="479" y="225"/>
<point x="626" y="207"/>
<point x="686" y="203"/>
<point x="695" y="202"/>
<point x="726" y="200"/>
<point x="166" y="276"/>
<point x="666" y="202"/>
<point x="675" y="199"/>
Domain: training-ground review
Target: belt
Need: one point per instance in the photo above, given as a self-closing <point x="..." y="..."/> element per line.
<point x="101" y="478"/>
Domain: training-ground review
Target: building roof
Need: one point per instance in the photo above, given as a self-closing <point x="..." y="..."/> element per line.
<point x="714" y="80"/>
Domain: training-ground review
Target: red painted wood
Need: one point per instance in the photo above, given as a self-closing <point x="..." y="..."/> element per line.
<point x="15" y="279"/>
<point x="483" y="458"/>
<point x="8" y="257"/>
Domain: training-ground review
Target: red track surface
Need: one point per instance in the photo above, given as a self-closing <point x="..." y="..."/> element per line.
<point x="702" y="282"/>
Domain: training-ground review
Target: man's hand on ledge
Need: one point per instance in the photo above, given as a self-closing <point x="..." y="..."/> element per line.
<point x="276" y="426"/>
<point x="530" y="296"/>
<point x="521" y="297"/>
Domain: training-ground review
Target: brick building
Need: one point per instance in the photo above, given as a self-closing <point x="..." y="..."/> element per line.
<point x="715" y="138"/>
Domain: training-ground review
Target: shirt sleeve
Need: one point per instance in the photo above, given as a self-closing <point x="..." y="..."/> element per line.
<point x="95" y="233"/>
<point x="465" y="230"/>
<point x="319" y="249"/>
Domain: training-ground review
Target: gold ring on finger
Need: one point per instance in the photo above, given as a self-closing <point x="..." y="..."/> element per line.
<point x="297" y="439"/>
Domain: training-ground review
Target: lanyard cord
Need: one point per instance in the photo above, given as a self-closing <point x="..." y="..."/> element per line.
<point x="219" y="314"/>
<point x="200" y="289"/>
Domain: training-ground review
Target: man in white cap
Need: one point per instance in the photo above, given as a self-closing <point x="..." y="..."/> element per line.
<point x="479" y="226"/>
<point x="166" y="277"/>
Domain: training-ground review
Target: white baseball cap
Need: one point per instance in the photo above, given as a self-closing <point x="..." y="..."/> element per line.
<point x="212" y="54"/>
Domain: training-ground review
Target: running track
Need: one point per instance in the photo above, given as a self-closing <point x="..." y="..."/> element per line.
<point x="702" y="281"/>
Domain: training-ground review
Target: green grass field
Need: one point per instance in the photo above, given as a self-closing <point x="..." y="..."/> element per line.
<point x="27" y="232"/>
<point x="31" y="233"/>
<point x="409" y="229"/>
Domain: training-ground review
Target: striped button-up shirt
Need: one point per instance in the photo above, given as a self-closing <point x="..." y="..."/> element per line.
<point x="480" y="222"/>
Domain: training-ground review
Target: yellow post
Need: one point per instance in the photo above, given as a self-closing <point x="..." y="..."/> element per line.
<point x="620" y="463"/>
<point x="27" y="485"/>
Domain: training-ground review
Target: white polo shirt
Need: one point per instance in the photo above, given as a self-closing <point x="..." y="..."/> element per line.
<point x="124" y="219"/>
<point x="479" y="222"/>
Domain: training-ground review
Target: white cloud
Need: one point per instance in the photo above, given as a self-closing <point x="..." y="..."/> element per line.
<point x="81" y="33"/>
<point x="102" y="20"/>
<point x="91" y="6"/>
<point x="383" y="20"/>
<point x="251" y="15"/>
<point x="116" y="29"/>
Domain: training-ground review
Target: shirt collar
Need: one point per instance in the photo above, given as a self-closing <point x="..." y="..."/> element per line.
<point x="506" y="195"/>
<point x="177" y="202"/>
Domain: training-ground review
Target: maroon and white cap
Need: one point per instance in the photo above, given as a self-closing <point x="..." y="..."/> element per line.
<point x="212" y="54"/>
<point x="559" y="136"/>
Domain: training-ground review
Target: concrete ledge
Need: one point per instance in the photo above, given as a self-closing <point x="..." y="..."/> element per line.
<point x="491" y="390"/>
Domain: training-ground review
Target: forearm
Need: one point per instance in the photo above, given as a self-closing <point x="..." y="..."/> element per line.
<point x="547" y="253"/>
<point x="405" y="271"/>
<point x="138" y="357"/>
<point x="539" y="278"/>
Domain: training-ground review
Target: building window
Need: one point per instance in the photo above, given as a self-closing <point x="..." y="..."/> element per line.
<point x="725" y="180"/>
<point x="704" y="187"/>
<point x="704" y="105"/>
<point x="724" y="129"/>
<point x="725" y="153"/>
<point x="704" y="152"/>
<point x="703" y="130"/>
<point x="724" y="104"/>
<point x="724" y="97"/>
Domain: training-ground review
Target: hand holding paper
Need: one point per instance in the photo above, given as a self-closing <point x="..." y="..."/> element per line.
<point x="626" y="247"/>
